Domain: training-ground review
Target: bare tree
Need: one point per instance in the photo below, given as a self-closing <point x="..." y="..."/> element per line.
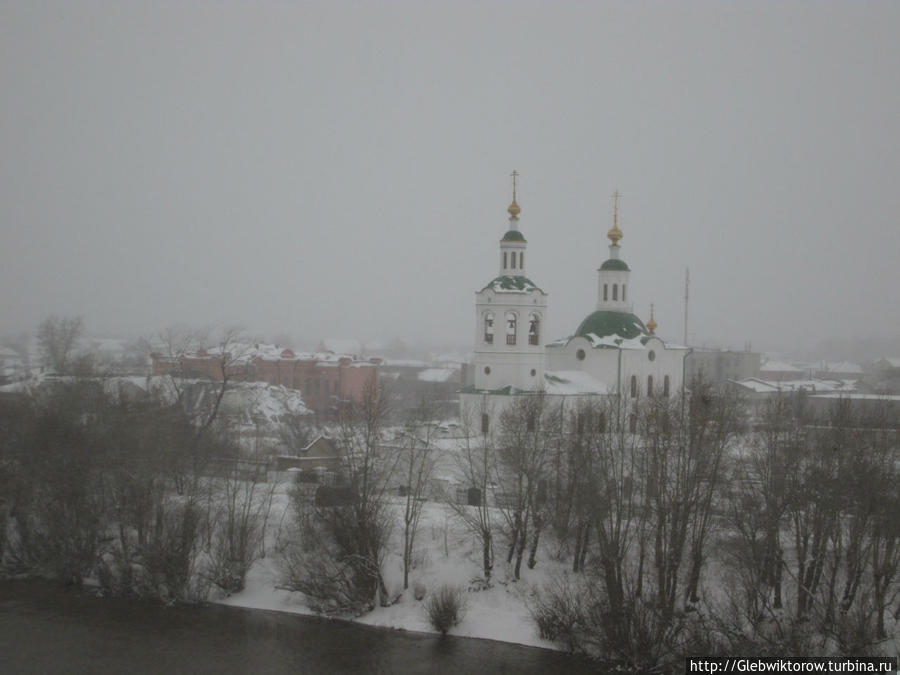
<point x="338" y="564"/>
<point x="417" y="463"/>
<point x="529" y="432"/>
<point x="58" y="339"/>
<point x="475" y="468"/>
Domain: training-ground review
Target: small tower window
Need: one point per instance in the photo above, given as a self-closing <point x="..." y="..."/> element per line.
<point x="510" y="328"/>
<point x="666" y="385"/>
<point x="605" y="292"/>
<point x="504" y="259"/>
<point x="634" y="391"/>
<point x="615" y="291"/>
<point x="513" y="257"/>
<point x="489" y="328"/>
<point x="623" y="292"/>
<point x="521" y="260"/>
<point x="534" y="329"/>
<point x="650" y="386"/>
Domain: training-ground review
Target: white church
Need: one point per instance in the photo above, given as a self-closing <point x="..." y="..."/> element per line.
<point x="611" y="353"/>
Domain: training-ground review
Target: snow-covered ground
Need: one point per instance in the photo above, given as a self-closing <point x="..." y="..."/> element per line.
<point x="445" y="554"/>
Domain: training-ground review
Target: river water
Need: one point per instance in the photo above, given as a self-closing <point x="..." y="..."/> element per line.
<point x="48" y="629"/>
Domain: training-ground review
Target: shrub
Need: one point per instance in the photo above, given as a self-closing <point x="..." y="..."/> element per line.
<point x="445" y="608"/>
<point x="419" y="591"/>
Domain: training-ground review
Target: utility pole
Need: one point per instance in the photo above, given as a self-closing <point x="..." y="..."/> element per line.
<point x="687" y="284"/>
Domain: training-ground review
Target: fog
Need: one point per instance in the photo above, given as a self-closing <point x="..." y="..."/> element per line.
<point x="343" y="169"/>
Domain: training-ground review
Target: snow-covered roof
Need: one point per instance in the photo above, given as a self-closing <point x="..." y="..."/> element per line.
<point x="438" y="374"/>
<point x="840" y="367"/>
<point x="854" y="396"/>
<point x="509" y="283"/>
<point x="341" y="346"/>
<point x="773" y="366"/>
<point x="760" y="386"/>
<point x="9" y="354"/>
<point x="570" y="382"/>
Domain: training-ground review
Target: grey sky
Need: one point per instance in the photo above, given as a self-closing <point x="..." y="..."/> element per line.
<point x="342" y="169"/>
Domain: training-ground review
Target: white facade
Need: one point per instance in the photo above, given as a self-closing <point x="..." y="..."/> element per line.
<point x="612" y="353"/>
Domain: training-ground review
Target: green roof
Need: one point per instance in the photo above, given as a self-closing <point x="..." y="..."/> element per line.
<point x="513" y="235"/>
<point x="615" y="264"/>
<point x="509" y="282"/>
<point x="604" y="323"/>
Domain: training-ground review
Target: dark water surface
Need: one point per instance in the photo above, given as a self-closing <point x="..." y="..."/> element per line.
<point x="48" y="629"/>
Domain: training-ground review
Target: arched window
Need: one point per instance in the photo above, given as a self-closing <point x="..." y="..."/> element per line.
<point x="615" y="291"/>
<point x="605" y="292"/>
<point x="534" y="329"/>
<point x="510" y="328"/>
<point x="632" y="423"/>
<point x="485" y="423"/>
<point x="634" y="392"/>
<point x="513" y="256"/>
<point x="521" y="260"/>
<point x="650" y="386"/>
<point x="504" y="259"/>
<point x="489" y="328"/>
<point x="623" y="292"/>
<point x="666" y="385"/>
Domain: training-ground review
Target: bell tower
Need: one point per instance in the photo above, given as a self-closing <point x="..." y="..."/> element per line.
<point x="511" y="312"/>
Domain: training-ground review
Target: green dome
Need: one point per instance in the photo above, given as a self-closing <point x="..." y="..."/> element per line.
<point x="615" y="264"/>
<point x="513" y="235"/>
<point x="603" y="323"/>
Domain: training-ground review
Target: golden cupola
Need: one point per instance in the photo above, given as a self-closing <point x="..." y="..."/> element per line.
<point x="651" y="324"/>
<point x="615" y="233"/>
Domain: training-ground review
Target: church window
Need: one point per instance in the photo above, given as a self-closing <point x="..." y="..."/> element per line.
<point x="533" y="372"/>
<point x="623" y="292"/>
<point x="534" y="329"/>
<point x="489" y="328"/>
<point x="634" y="385"/>
<point x="605" y="292"/>
<point x="510" y="328"/>
<point x="632" y="423"/>
<point x="504" y="259"/>
<point x="487" y="370"/>
<point x="615" y="291"/>
<point x="666" y="385"/>
<point x="650" y="385"/>
<point x="485" y="423"/>
<point x="580" y="355"/>
<point x="513" y="260"/>
<point x="651" y="355"/>
<point x="521" y="260"/>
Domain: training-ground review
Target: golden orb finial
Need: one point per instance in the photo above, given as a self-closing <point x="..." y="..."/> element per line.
<point x="514" y="209"/>
<point x="651" y="324"/>
<point x="615" y="233"/>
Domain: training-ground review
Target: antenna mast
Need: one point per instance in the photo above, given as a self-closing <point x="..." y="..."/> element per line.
<point x="687" y="284"/>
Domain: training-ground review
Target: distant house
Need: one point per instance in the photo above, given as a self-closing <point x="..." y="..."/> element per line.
<point x="322" y="454"/>
<point x="12" y="366"/>
<point x="325" y="379"/>
<point x="843" y="370"/>
<point x="780" y="371"/>
<point x="718" y="365"/>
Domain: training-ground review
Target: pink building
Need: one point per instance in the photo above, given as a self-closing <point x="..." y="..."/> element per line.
<point x="324" y="379"/>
